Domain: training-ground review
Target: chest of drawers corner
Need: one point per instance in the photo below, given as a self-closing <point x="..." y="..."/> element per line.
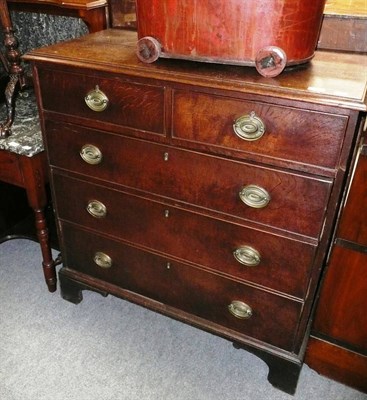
<point x="203" y="192"/>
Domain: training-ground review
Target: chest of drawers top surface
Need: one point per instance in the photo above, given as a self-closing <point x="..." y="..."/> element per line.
<point x="330" y="78"/>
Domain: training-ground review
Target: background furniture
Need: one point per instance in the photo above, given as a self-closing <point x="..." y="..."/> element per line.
<point x="93" y="12"/>
<point x="205" y="192"/>
<point x="122" y="14"/>
<point x="344" y="26"/>
<point x="338" y="345"/>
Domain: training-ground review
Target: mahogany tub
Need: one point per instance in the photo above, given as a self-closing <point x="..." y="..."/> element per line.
<point x="267" y="34"/>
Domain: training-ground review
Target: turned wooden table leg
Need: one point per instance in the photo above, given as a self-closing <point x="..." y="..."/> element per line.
<point x="35" y="178"/>
<point x="48" y="263"/>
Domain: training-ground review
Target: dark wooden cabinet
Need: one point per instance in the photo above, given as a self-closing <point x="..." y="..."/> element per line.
<point x="338" y="343"/>
<point x="337" y="346"/>
<point x="205" y="192"/>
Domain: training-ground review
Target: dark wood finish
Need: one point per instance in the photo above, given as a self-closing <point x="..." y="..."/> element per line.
<point x="320" y="84"/>
<point x="122" y="96"/>
<point x="283" y="141"/>
<point x="185" y="180"/>
<point x="338" y="347"/>
<point x="142" y="218"/>
<point x="185" y="287"/>
<point x="92" y="12"/>
<point x="170" y="185"/>
<point x="342" y="317"/>
<point x="337" y="362"/>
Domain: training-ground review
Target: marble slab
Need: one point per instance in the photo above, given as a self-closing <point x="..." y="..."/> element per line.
<point x="34" y="30"/>
<point x="26" y="137"/>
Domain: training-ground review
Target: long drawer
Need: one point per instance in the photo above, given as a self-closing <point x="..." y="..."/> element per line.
<point x="270" y="318"/>
<point x="243" y="253"/>
<point x="263" y="195"/>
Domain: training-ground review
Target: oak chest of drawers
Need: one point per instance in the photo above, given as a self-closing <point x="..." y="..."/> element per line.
<point x="204" y="192"/>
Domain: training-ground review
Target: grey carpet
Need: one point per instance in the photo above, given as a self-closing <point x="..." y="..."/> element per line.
<point x="107" y="348"/>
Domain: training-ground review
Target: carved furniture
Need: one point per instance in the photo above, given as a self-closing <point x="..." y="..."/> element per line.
<point x="205" y="192"/>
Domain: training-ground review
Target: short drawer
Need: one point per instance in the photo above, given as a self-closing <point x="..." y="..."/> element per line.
<point x="129" y="104"/>
<point x="243" y="253"/>
<point x="274" y="319"/>
<point x="282" y="133"/>
<point x="263" y="195"/>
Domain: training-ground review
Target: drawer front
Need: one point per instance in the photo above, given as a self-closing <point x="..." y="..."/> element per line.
<point x="243" y="253"/>
<point x="300" y="136"/>
<point x="274" y="318"/>
<point x="130" y="105"/>
<point x="297" y="203"/>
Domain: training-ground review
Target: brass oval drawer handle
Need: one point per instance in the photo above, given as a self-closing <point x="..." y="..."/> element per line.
<point x="255" y="196"/>
<point x="247" y="255"/>
<point x="249" y="127"/>
<point x="240" y="309"/>
<point x="96" y="100"/>
<point x="96" y="209"/>
<point x="102" y="260"/>
<point x="91" y="154"/>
